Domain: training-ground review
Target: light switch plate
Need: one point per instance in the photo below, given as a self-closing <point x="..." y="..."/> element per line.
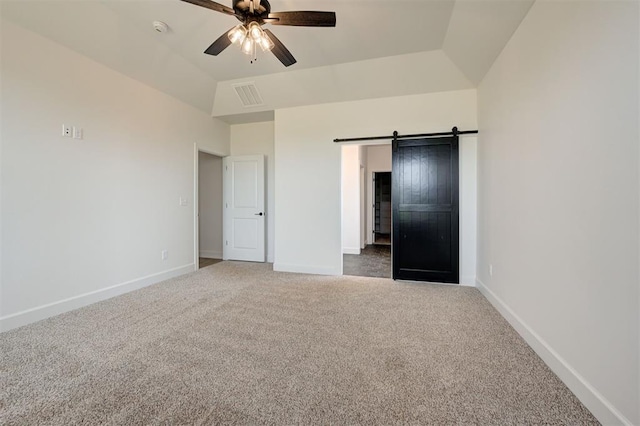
<point x="77" y="132"/>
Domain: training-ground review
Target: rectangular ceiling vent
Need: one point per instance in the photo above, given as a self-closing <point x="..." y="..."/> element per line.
<point x="248" y="94"/>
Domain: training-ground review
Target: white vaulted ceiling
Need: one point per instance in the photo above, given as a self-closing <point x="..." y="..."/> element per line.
<point x="377" y="49"/>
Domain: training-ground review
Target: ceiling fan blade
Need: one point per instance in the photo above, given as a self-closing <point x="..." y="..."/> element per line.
<point x="219" y="45"/>
<point x="281" y="52"/>
<point x="303" y="19"/>
<point x="210" y="4"/>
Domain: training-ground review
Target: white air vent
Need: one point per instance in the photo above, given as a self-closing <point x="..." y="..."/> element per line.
<point x="248" y="94"/>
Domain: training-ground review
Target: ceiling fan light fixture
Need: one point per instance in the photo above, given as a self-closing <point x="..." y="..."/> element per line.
<point x="255" y="31"/>
<point x="254" y="14"/>
<point x="237" y="34"/>
<point x="266" y="43"/>
<point x="247" y="46"/>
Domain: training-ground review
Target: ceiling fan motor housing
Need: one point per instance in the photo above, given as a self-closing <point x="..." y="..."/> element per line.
<point x="243" y="7"/>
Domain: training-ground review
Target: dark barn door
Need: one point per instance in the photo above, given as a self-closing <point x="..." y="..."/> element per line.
<point x="425" y="209"/>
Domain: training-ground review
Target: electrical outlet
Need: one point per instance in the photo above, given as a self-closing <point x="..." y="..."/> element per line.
<point x="490" y="270"/>
<point x="66" y="131"/>
<point x="183" y="201"/>
<point x="164" y="254"/>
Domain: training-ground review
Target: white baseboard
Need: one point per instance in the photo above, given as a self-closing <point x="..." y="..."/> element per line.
<point x="350" y="250"/>
<point x="305" y="269"/>
<point x="468" y="280"/>
<point x="211" y="254"/>
<point x="601" y="408"/>
<point x="56" y="308"/>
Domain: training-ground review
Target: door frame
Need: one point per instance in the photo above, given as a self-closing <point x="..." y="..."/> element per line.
<point x="196" y="201"/>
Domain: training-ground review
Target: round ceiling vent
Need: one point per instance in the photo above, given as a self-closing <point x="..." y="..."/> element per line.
<point x="160" y="26"/>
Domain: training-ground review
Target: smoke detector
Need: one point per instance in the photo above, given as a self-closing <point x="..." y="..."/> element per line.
<point x="160" y="26"/>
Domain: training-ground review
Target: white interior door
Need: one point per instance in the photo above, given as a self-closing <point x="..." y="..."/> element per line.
<point x="244" y="215"/>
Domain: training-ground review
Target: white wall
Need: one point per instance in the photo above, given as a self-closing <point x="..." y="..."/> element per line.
<point x="210" y="205"/>
<point x="83" y="220"/>
<point x="378" y="160"/>
<point x="362" y="160"/>
<point x="468" y="194"/>
<point x="308" y="166"/>
<point x="351" y="199"/>
<point x="558" y="196"/>
<point x="257" y="138"/>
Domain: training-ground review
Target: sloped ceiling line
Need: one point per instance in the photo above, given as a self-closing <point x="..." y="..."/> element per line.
<point x="378" y="48"/>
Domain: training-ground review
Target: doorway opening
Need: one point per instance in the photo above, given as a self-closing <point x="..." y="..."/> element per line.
<point x="366" y="230"/>
<point x="382" y="208"/>
<point x="209" y="210"/>
<point x="433" y="209"/>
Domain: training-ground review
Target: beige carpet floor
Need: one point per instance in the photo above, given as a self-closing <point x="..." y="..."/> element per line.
<point x="236" y="343"/>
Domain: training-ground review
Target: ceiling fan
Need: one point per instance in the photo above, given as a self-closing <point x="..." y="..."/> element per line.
<point x="249" y="34"/>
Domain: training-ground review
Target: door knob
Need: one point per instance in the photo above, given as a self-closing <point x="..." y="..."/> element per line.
<point x="258" y="214"/>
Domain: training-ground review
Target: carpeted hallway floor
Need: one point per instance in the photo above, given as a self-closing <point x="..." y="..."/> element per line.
<point x="236" y="343"/>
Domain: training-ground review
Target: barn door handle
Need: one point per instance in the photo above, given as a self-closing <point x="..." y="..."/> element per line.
<point x="258" y="214"/>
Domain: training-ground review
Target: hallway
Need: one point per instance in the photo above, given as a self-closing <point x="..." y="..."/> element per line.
<point x="373" y="261"/>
